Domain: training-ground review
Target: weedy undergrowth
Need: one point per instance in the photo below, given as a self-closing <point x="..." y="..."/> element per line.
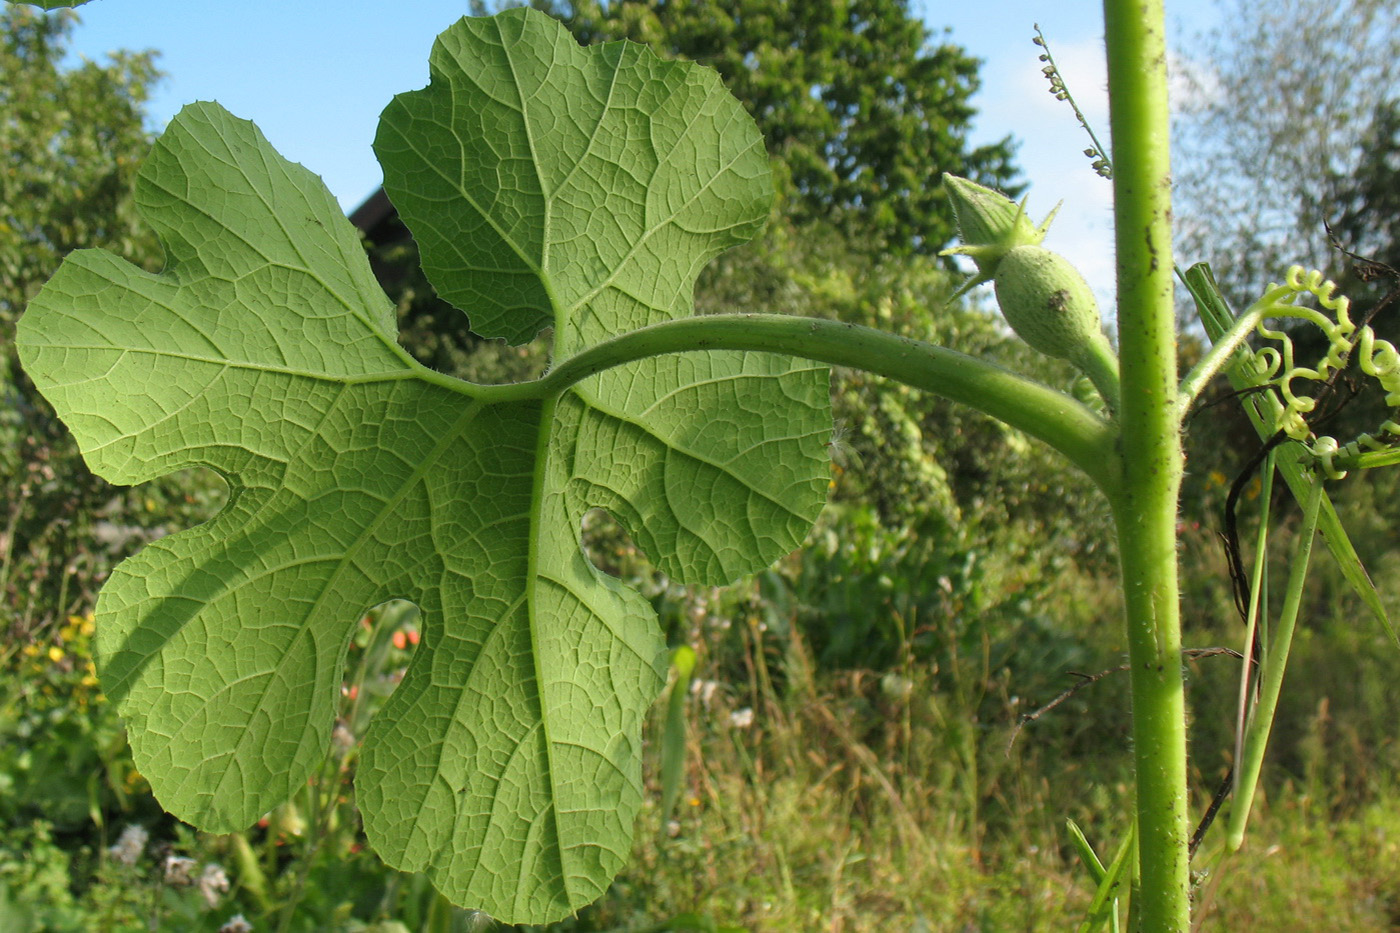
<point x="580" y="191"/>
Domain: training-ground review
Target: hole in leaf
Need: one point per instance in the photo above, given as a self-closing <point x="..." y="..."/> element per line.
<point x="439" y="336"/>
<point x="609" y="547"/>
<point x="381" y="647"/>
<point x="138" y="515"/>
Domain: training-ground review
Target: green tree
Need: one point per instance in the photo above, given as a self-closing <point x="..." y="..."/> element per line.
<point x="1278" y="128"/>
<point x="1366" y="203"/>
<point x="71" y="140"/>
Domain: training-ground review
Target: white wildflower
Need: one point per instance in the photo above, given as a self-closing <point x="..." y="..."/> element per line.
<point x="213" y="884"/>
<point x="704" y="690"/>
<point x="741" y="718"/>
<point x="236" y="924"/>
<point x="130" y="845"/>
<point x="179" y="870"/>
<point x="342" y="739"/>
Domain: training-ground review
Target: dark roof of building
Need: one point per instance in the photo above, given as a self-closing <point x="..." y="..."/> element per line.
<point x="376" y="215"/>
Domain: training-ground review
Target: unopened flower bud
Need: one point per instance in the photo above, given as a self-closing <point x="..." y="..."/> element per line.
<point x="990" y="225"/>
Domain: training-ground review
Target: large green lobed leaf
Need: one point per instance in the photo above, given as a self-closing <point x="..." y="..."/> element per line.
<point x="549" y="186"/>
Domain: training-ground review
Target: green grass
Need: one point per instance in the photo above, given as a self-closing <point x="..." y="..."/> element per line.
<point x="797" y="824"/>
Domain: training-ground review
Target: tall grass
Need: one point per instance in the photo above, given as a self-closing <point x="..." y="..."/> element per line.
<point x="834" y="796"/>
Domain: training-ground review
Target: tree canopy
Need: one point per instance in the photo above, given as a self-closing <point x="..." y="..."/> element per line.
<point x="71" y="140"/>
<point x="70" y="143"/>
<point x="1281" y="134"/>
<point x="1366" y="202"/>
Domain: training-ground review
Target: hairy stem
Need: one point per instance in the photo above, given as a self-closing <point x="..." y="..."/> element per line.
<point x="1145" y="508"/>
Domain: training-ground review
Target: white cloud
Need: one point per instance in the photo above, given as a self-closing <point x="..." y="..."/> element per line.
<point x="1192" y="83"/>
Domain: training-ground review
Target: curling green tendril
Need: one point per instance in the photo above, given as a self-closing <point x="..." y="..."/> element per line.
<point x="1275" y="365"/>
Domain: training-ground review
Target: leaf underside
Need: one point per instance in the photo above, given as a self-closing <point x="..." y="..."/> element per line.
<point x="547" y="186"/>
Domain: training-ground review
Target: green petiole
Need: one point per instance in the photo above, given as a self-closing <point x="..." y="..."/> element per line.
<point x="1067" y="425"/>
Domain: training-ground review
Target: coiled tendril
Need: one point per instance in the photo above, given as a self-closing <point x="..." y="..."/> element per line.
<point x="1274" y="365"/>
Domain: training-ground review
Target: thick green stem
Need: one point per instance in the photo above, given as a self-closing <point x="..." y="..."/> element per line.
<point x="1145" y="508"/>
<point x="1052" y="416"/>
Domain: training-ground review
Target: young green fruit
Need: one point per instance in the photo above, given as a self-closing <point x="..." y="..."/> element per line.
<point x="1047" y="302"/>
<point x="1049" y="305"/>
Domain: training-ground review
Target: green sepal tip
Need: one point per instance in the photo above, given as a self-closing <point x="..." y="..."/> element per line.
<point x="990" y="225"/>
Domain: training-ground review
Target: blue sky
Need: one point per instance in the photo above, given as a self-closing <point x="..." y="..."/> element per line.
<point x="315" y="75"/>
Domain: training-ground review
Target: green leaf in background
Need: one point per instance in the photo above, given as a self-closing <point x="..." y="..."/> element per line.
<point x="552" y="186"/>
<point x="673" y="733"/>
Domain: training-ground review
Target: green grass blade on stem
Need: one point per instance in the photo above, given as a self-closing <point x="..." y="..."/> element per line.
<point x="1104" y="907"/>
<point x="1218" y="319"/>
<point x="1087" y="855"/>
<point x="1258" y="610"/>
<point x="250" y="873"/>
<point x="673" y="736"/>
<point x="1091" y="862"/>
<point x="1247" y="769"/>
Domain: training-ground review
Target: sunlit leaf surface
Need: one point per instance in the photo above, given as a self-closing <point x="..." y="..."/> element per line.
<point x="548" y="186"/>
